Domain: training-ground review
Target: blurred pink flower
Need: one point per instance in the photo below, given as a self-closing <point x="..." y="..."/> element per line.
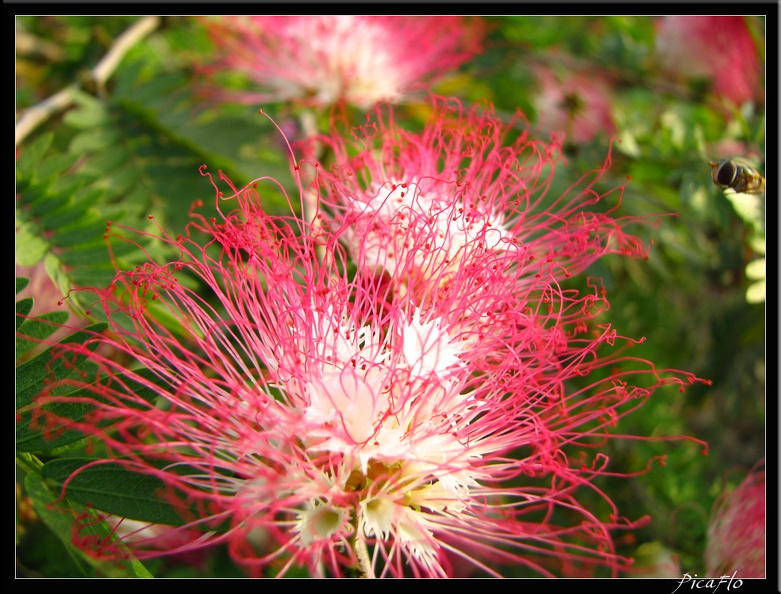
<point x="736" y="534"/>
<point x="157" y="536"/>
<point x="47" y="298"/>
<point x="321" y="60"/>
<point x="408" y="420"/>
<point x="718" y="48"/>
<point x="579" y="104"/>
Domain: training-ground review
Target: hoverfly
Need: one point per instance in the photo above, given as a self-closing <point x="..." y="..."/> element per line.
<point x="737" y="175"/>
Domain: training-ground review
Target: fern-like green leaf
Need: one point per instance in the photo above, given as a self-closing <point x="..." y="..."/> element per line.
<point x="32" y="376"/>
<point x="30" y="156"/>
<point x="37" y="329"/>
<point x="59" y="514"/>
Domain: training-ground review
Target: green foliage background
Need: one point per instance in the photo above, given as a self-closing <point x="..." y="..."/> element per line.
<point x="133" y="149"/>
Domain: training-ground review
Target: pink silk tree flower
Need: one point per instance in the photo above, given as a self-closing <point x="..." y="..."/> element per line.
<point x="720" y="49"/>
<point x="579" y="105"/>
<point x="736" y="533"/>
<point x="324" y="59"/>
<point x="313" y="409"/>
<point x="429" y="208"/>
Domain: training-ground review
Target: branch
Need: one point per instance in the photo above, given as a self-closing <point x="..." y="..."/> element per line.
<point x="39" y="113"/>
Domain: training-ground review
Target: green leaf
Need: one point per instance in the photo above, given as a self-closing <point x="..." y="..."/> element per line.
<point x="139" y="389"/>
<point x="37" y="329"/>
<point x="30" y="248"/>
<point x="72" y="211"/>
<point x="43" y="325"/>
<point x="107" y="161"/>
<point x="54" y="165"/>
<point x="30" y="438"/>
<point x="94" y="139"/>
<point x="59" y="516"/>
<point x="89" y="254"/>
<point x="84" y="231"/>
<point x="32" y="375"/>
<point x="121" y="179"/>
<point x="21" y="283"/>
<point x="96" y="276"/>
<point x="23" y="307"/>
<point x="66" y="185"/>
<point x="91" y="112"/>
<point x="43" y="204"/>
<point x="31" y="154"/>
<point x="112" y="488"/>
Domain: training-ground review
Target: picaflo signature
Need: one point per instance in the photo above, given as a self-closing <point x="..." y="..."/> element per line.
<point x="711" y="584"/>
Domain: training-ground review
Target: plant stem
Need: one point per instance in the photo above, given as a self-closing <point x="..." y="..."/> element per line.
<point x="36" y="115"/>
<point x="364" y="561"/>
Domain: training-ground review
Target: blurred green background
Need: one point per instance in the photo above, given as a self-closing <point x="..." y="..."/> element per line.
<point x="133" y="148"/>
